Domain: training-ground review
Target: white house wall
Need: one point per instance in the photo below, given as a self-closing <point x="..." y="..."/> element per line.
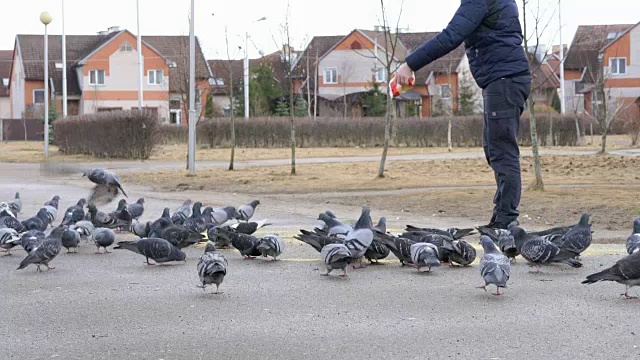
<point x="5" y="108"/>
<point x="91" y="106"/>
<point x="17" y="87"/>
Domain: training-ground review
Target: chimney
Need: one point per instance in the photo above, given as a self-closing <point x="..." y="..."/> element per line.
<point x="113" y="29"/>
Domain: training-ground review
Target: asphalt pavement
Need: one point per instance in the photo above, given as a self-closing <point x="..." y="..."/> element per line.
<point x="113" y="306"/>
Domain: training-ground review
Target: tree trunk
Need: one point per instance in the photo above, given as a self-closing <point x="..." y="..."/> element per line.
<point x="603" y="150"/>
<point x="233" y="142"/>
<point x="344" y="104"/>
<point x="387" y="136"/>
<point x="537" y="183"/>
<point x="293" y="127"/>
<point x="591" y="131"/>
<point x="308" y="90"/>
<point x="449" y="126"/>
<point x="577" y="132"/>
<point x="552" y="141"/>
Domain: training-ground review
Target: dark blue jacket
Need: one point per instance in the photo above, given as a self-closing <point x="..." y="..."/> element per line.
<point x="492" y="35"/>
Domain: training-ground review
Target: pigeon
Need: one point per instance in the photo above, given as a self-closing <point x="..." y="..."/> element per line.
<point x="182" y="213"/>
<point x="424" y="255"/>
<point x="538" y="250"/>
<point x="196" y="222"/>
<point x="5" y="210"/>
<point x="218" y="241"/>
<point x="249" y="228"/>
<point x="74" y="213"/>
<point x="45" y="251"/>
<point x="399" y="246"/>
<point x="377" y="250"/>
<point x="212" y="267"/>
<point x="578" y="238"/>
<point x="245" y="212"/>
<point x="9" y="239"/>
<point x="318" y="240"/>
<point x="70" y="239"/>
<point x="360" y="237"/>
<point x="103" y="237"/>
<point x="12" y="223"/>
<point x="136" y="209"/>
<point x="84" y="227"/>
<point x="104" y="178"/>
<point x="122" y="212"/>
<point x="503" y="239"/>
<point x="458" y="252"/>
<point x="246" y="244"/>
<point x="158" y="250"/>
<point x="495" y="268"/>
<point x="141" y="230"/>
<point x="161" y="223"/>
<point x="51" y="207"/>
<point x="100" y="219"/>
<point x="271" y="245"/>
<point x="15" y="205"/>
<point x="31" y="239"/>
<point x="454" y="233"/>
<point x="179" y="236"/>
<point x="334" y="226"/>
<point x="633" y="241"/>
<point x="38" y="222"/>
<point x="626" y="271"/>
<point x="336" y="256"/>
<point x="221" y="216"/>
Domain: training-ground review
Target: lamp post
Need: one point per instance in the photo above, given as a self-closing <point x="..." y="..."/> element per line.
<point x="192" y="94"/>
<point x="64" y="67"/>
<point x="246" y="71"/>
<point x="140" y="63"/>
<point x="46" y="19"/>
<point x="562" y="96"/>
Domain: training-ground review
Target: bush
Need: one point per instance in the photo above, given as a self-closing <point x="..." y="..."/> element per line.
<point x="369" y="132"/>
<point x="114" y="134"/>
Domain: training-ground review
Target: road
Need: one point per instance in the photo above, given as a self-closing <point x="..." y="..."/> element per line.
<point x="114" y="307"/>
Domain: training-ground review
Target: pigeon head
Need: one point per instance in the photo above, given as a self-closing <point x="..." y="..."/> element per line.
<point x="181" y="256"/>
<point x="17" y="196"/>
<point x="636" y="226"/>
<point x="230" y="211"/>
<point x="207" y="211"/>
<point x="254" y="203"/>
<point x="187" y="202"/>
<point x="328" y="220"/>
<point x="209" y="248"/>
<point x="165" y="213"/>
<point x="584" y="219"/>
<point x="331" y="214"/>
<point x="92" y="208"/>
<point x="122" y="204"/>
<point x="487" y="244"/>
<point x="364" y="222"/>
<point x="82" y="202"/>
<point x="140" y="201"/>
<point x="57" y="232"/>
<point x="382" y="225"/>
<point x="197" y="206"/>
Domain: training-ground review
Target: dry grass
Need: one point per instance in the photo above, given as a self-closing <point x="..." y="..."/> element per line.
<point x="32" y="152"/>
<point x="590" y="170"/>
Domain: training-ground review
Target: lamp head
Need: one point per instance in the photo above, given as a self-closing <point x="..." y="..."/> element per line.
<point x="45" y="18"/>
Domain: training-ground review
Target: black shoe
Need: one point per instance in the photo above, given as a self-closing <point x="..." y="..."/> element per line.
<point x="497" y="225"/>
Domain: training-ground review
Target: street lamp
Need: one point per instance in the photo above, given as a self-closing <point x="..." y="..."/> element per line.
<point x="562" y="94"/>
<point x="64" y="67"/>
<point x="192" y="94"/>
<point x="46" y="19"/>
<point x="246" y="70"/>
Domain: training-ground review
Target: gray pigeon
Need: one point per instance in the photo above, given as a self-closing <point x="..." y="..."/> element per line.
<point x="39" y="222"/>
<point x="141" y="230"/>
<point x="103" y="238"/>
<point x="336" y="256"/>
<point x="84" y="227"/>
<point x="101" y="219"/>
<point x="633" y="241"/>
<point x="458" y="252"/>
<point x="333" y="225"/>
<point x="70" y="239"/>
<point x="158" y="250"/>
<point x="104" y="178"/>
<point x="578" y="238"/>
<point x="626" y="271"/>
<point x="15" y="205"/>
<point x="9" y="239"/>
<point x="136" y="209"/>
<point x="10" y="221"/>
<point x="399" y="246"/>
<point x="182" y="213"/>
<point x="495" y="268"/>
<point x="424" y="255"/>
<point x="46" y="251"/>
<point x="249" y="227"/>
<point x="31" y="239"/>
<point x="221" y="216"/>
<point x="377" y="250"/>
<point x="271" y="245"/>
<point x="503" y="239"/>
<point x="74" y="213"/>
<point x="212" y="267"/>
<point x="245" y="212"/>
<point x="51" y="207"/>
<point x="246" y="244"/>
<point x="538" y="250"/>
<point x="5" y="210"/>
<point x="360" y="237"/>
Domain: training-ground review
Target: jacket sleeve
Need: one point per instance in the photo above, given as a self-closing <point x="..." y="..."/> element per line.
<point x="466" y="20"/>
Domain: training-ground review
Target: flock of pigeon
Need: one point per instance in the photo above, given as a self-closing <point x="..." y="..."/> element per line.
<point x="340" y="245"/>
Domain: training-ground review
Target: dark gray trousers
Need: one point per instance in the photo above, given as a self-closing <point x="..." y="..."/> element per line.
<point x="504" y="101"/>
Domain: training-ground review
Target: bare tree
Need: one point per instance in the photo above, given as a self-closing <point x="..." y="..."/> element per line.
<point x="539" y="28"/>
<point x="231" y="104"/>
<point x="346" y="72"/>
<point x="391" y="45"/>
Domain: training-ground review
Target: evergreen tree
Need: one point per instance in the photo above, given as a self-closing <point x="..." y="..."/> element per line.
<point x="300" y="108"/>
<point x="209" y="110"/>
<point x="467" y="97"/>
<point x="375" y="101"/>
<point x="555" y="102"/>
<point x="282" y="107"/>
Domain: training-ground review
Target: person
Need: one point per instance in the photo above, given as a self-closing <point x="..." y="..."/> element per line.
<point x="492" y="35"/>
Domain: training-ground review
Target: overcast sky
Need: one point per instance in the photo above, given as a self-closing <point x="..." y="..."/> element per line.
<point x="307" y="18"/>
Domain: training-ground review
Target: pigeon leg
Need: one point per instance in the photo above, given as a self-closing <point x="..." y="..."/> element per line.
<point x="148" y="263"/>
<point x="626" y="294"/>
<point x="247" y="257"/>
<point x="498" y="293"/>
<point x="483" y="287"/>
<point x="344" y="272"/>
<point x="107" y="251"/>
<point x="38" y="268"/>
<point x="98" y="250"/>
<point x="49" y="267"/>
<point x="8" y="253"/>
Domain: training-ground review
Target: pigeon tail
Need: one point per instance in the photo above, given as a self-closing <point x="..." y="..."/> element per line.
<point x="604" y="275"/>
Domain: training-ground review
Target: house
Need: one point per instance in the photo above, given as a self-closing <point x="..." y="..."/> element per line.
<point x="230" y="73"/>
<point x="603" y="64"/>
<point x="5" y="71"/>
<point x="544" y="80"/>
<point x="349" y="66"/>
<point x="102" y="74"/>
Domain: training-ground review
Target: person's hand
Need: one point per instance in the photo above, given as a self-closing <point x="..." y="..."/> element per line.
<point x="403" y="74"/>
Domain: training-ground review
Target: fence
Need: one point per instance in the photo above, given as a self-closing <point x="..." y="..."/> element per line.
<point x="15" y="129"/>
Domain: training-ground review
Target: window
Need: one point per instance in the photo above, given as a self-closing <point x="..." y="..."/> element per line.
<point x="96" y="77"/>
<point x="125" y="46"/>
<point x="38" y="96"/>
<point x="155" y="77"/>
<point x="330" y="76"/>
<point x="58" y="65"/>
<point x="381" y="75"/>
<point x="618" y="66"/>
<point x="445" y="91"/>
<point x="612" y="35"/>
<point x="5" y="82"/>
